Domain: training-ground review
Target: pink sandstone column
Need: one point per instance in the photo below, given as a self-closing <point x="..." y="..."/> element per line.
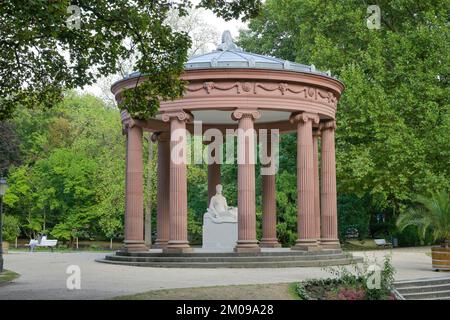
<point x="134" y="187"/>
<point x="316" y="135"/>
<point x="178" y="236"/>
<point x="246" y="183"/>
<point x="162" y="223"/>
<point x="329" y="238"/>
<point x="269" y="223"/>
<point x="213" y="179"/>
<point x="306" y="226"/>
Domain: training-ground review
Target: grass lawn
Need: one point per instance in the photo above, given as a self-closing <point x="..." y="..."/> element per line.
<point x="7" y="276"/>
<point x="276" y="291"/>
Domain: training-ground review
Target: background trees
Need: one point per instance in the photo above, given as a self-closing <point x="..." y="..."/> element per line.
<point x="393" y="119"/>
<point x="71" y="180"/>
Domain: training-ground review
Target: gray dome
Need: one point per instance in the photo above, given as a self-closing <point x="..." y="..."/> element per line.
<point x="228" y="55"/>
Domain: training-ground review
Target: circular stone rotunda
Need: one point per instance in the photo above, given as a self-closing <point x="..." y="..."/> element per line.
<point x="232" y="89"/>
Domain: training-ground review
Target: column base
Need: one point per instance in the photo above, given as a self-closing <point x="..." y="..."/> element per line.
<point x="330" y="243"/>
<point x="134" y="246"/>
<point x="306" y="245"/>
<point x="160" y="244"/>
<point x="269" y="243"/>
<point x="247" y="246"/>
<point x="177" y="247"/>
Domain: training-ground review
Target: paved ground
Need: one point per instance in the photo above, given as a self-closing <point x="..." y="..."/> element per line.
<point x="43" y="275"/>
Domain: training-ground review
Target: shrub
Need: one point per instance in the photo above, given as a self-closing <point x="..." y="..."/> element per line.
<point x="11" y="228"/>
<point x="370" y="281"/>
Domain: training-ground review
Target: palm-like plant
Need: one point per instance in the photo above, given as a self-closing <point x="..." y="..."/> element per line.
<point x="432" y="213"/>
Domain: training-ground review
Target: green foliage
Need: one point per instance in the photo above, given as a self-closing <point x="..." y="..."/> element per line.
<point x="431" y="214"/>
<point x="11" y="228"/>
<point x="355" y="279"/>
<point x="353" y="212"/>
<point x="37" y="37"/>
<point x="393" y="118"/>
<point x="72" y="179"/>
<point x="9" y="147"/>
<point x="396" y="97"/>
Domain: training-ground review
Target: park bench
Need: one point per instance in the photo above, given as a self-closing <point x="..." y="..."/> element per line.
<point x="382" y="243"/>
<point x="43" y="243"/>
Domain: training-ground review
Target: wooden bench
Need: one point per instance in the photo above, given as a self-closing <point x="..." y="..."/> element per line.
<point x="43" y="243"/>
<point x="382" y="243"/>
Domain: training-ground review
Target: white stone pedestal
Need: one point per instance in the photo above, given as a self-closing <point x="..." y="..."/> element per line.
<point x="219" y="235"/>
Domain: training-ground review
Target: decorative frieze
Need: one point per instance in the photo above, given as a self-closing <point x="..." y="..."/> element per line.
<point x="283" y="88"/>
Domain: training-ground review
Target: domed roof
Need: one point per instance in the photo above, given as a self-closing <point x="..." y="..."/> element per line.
<point x="229" y="55"/>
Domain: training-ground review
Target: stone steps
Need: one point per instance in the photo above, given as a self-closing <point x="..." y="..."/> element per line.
<point x="274" y="259"/>
<point x="225" y="258"/>
<point x="263" y="264"/>
<point x="230" y="253"/>
<point x="424" y="289"/>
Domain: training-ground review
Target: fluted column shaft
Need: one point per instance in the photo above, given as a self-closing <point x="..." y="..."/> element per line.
<point x="246" y="182"/>
<point x="163" y="192"/>
<point x="178" y="237"/>
<point x="269" y="223"/>
<point x="306" y="224"/>
<point x="329" y="238"/>
<point x="316" y="135"/>
<point x="134" y="189"/>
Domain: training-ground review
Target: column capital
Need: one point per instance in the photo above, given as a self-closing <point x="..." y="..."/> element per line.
<point x="304" y="117"/>
<point x="127" y="121"/>
<point x="160" y="136"/>
<point x="317" y="132"/>
<point x="331" y="124"/>
<point x="179" y="114"/>
<point x="243" y="113"/>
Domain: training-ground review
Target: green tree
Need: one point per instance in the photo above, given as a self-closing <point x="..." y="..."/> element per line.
<point x="38" y="36"/>
<point x="431" y="214"/>
<point x="72" y="180"/>
<point x="9" y="147"/>
<point x="393" y="118"/>
<point x="11" y="228"/>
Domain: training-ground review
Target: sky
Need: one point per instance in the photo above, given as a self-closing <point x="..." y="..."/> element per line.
<point x="220" y="24"/>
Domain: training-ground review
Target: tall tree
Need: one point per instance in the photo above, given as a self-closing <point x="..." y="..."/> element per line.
<point x="47" y="46"/>
<point x="394" y="116"/>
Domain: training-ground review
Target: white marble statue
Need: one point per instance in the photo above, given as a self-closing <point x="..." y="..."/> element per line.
<point x="218" y="210"/>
